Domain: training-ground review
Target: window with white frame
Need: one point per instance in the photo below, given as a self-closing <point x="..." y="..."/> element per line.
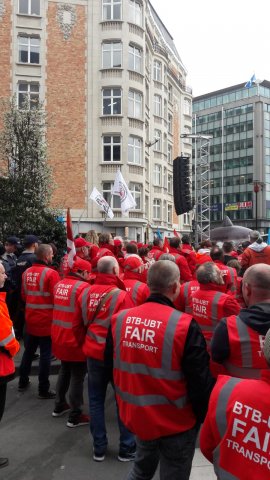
<point x="157" y="105"/>
<point x="29" y="7"/>
<point x="165" y="109"/>
<point x="134" y="104"/>
<point x="187" y="106"/>
<point x="157" y="71"/>
<point x="157" y="145"/>
<point x="112" y="101"/>
<point x="170" y="184"/>
<point x="186" y="218"/>
<point x="135" y="58"/>
<point x="112" y="200"/>
<point x="111" y="148"/>
<point x="112" y="54"/>
<point x="135" y="150"/>
<point x="170" y="160"/>
<point x="111" y="9"/>
<point x="135" y="12"/>
<point x="165" y="178"/>
<point x="29" y="49"/>
<point x="28" y="92"/>
<point x="157" y="174"/>
<point x="170" y="122"/>
<point x="164" y="216"/>
<point x="157" y="208"/>
<point x="170" y="213"/>
<point x="170" y="92"/>
<point x="187" y="130"/>
<point x="136" y="192"/>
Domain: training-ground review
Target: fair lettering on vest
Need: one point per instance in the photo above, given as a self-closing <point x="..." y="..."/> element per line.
<point x="141" y="338"/>
<point x="199" y="306"/>
<point x="249" y="434"/>
<point x="32" y="278"/>
<point x="62" y="291"/>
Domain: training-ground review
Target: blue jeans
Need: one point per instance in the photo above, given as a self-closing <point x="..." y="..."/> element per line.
<point x="31" y="344"/>
<point x="174" y="453"/>
<point x="99" y="376"/>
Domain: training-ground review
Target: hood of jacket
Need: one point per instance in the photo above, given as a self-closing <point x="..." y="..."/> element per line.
<point x="257" y="317"/>
<point x="257" y="247"/>
<point x="109" y="279"/>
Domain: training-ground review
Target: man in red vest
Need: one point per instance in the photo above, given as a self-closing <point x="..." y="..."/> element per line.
<point x="133" y="279"/>
<point x="257" y="252"/>
<point x="38" y="284"/>
<point x="157" y="248"/>
<point x="235" y="435"/>
<point x="162" y="378"/>
<point x="229" y="274"/>
<point x="64" y="345"/>
<point x="83" y="249"/>
<point x="181" y="262"/>
<point x="238" y="340"/>
<point x="92" y="328"/>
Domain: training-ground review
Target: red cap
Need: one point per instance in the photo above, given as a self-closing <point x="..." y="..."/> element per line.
<point x="132" y="262"/>
<point x="82" y="265"/>
<point x="117" y="242"/>
<point x="80" y="242"/>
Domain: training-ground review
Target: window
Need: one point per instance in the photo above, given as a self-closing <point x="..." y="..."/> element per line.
<point x="111" y="9"/>
<point x="112" y="99"/>
<point x="28" y="91"/>
<point x="111" y="148"/>
<point x="157" y="71"/>
<point x="165" y="179"/>
<point x="157" y="105"/>
<point x="136" y="192"/>
<point x="170" y="184"/>
<point x="187" y="107"/>
<point x="170" y="92"/>
<point x="170" y="213"/>
<point x="157" y="145"/>
<point x="135" y="58"/>
<point x="135" y="12"/>
<point x="29" y="7"/>
<point x="135" y="150"/>
<point x="157" y="208"/>
<point x="29" y="49"/>
<point x="111" y="55"/>
<point x="170" y="154"/>
<point x="157" y="174"/>
<point x="186" y="218"/>
<point x="112" y="200"/>
<point x="134" y="104"/>
<point x="170" y="122"/>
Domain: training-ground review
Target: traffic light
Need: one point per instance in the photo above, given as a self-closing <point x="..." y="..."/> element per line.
<point x="182" y="185"/>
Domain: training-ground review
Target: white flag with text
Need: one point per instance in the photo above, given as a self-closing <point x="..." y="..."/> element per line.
<point x="120" y="188"/>
<point x="100" y="200"/>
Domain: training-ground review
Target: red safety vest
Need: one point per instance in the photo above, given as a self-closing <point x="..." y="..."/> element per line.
<point x="246" y="358"/>
<point x="7" y="340"/>
<point x="235" y="435"/>
<point x="64" y="344"/>
<point x="186" y="290"/>
<point x="98" y="324"/>
<point x="37" y="291"/>
<point x="150" y="386"/>
<point x="138" y="291"/>
<point x="156" y="252"/>
<point x="229" y="277"/>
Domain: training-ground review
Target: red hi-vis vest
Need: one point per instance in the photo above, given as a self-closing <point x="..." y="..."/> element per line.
<point x="7" y="340"/>
<point x="64" y="344"/>
<point x="37" y="291"/>
<point x="138" y="291"/>
<point x="150" y="386"/>
<point x="246" y="358"/>
<point x="186" y="290"/>
<point x="235" y="435"/>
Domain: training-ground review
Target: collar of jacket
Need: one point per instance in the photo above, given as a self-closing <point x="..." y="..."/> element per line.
<point x="109" y="279"/>
<point x="3" y="296"/>
<point x="212" y="286"/>
<point x="41" y="263"/>
<point x="158" y="298"/>
<point x="175" y="250"/>
<point x="128" y="275"/>
<point x="219" y="263"/>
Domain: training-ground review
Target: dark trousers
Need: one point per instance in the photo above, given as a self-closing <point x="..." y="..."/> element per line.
<point x="3" y="393"/>
<point x="174" y="453"/>
<point x="71" y="377"/>
<point x="31" y="344"/>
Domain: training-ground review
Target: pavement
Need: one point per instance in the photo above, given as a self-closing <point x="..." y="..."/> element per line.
<point x="41" y="447"/>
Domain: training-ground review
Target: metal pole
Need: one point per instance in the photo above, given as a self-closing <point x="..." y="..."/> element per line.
<point x="195" y="186"/>
<point x="222" y="163"/>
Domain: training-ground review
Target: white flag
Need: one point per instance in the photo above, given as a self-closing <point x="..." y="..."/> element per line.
<point x="98" y="198"/>
<point x="120" y="188"/>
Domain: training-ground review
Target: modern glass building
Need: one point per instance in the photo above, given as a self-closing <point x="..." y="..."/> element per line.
<point x="238" y="118"/>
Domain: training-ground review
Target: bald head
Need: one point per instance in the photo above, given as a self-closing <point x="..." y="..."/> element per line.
<point x="44" y="253"/>
<point x="209" y="273"/>
<point x="108" y="265"/>
<point x="162" y="277"/>
<point x="256" y="284"/>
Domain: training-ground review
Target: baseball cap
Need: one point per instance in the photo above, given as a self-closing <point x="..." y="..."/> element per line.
<point x="266" y="348"/>
<point x="132" y="262"/>
<point x="13" y="240"/>
<point x="30" y="239"/>
<point x="82" y="265"/>
<point x="80" y="242"/>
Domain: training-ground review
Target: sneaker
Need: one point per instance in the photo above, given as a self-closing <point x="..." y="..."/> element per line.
<point x="59" y="411"/>
<point x="22" y="386"/>
<point x="128" y="455"/>
<point x="79" y="421"/>
<point x="47" y="395"/>
<point x="98" y="457"/>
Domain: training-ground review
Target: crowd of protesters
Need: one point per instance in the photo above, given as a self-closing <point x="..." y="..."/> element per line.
<point x="166" y="324"/>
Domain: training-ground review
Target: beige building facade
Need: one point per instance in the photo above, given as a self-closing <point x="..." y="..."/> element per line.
<point x="114" y="88"/>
